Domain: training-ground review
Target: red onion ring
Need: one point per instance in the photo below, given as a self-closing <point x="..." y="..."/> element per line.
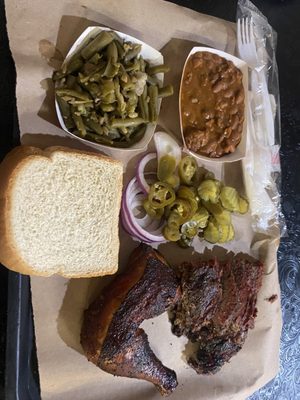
<point x="131" y="222"/>
<point x="140" y="174"/>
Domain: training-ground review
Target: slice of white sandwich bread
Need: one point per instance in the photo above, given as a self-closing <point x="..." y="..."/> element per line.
<point x="59" y="212"/>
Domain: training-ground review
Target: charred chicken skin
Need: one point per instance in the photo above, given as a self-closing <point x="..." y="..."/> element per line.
<point x="111" y="337"/>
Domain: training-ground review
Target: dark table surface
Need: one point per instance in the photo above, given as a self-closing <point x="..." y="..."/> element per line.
<point x="284" y="16"/>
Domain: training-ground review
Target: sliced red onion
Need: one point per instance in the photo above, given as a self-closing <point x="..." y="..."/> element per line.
<point x="136" y="199"/>
<point x="167" y="145"/>
<point x="131" y="223"/>
<point x="154" y="225"/>
<point x="128" y="226"/>
<point x="140" y="173"/>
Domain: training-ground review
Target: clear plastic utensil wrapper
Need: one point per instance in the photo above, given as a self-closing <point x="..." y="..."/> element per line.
<point x="262" y="166"/>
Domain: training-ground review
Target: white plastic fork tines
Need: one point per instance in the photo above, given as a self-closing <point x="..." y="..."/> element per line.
<point x="263" y="111"/>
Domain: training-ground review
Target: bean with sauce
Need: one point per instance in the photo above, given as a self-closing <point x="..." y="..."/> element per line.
<point x="212" y="105"/>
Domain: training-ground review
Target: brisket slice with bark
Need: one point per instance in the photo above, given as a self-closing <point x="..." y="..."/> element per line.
<point x="216" y="309"/>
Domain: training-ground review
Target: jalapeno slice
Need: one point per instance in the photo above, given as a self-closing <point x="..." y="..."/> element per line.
<point x="182" y="208"/>
<point x="161" y="195"/>
<point x="187" y="169"/>
<point x="173" y="181"/>
<point x="171" y="234"/>
<point x="189" y="194"/>
<point x="185" y="192"/>
<point x="155" y="213"/>
<point x="174" y="220"/>
<point x="166" y="167"/>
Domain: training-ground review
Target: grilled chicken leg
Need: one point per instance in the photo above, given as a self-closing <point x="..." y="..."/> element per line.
<point x="111" y="337"/>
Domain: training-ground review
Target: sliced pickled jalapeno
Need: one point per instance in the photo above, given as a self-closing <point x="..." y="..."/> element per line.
<point x="173" y="181"/>
<point x="174" y="220"/>
<point x="166" y="167"/>
<point x="155" y="213"/>
<point x="161" y="194"/>
<point x="182" y="208"/>
<point x="171" y="234"/>
<point x="187" y="169"/>
<point x="185" y="192"/>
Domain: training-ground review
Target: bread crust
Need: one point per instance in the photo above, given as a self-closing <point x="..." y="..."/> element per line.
<point x="9" y="169"/>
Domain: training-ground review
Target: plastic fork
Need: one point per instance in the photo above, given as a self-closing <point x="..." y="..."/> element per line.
<point x="247" y="52"/>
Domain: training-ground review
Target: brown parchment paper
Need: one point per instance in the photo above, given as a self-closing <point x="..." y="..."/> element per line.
<point x="40" y="33"/>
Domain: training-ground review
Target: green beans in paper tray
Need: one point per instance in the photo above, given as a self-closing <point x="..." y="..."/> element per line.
<point x="107" y="92"/>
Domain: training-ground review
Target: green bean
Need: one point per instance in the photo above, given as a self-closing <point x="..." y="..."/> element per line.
<point x="156" y="69"/>
<point x="94" y="126"/>
<point x="116" y="37"/>
<point x="135" y="66"/>
<point x="71" y="81"/>
<point x="125" y="122"/>
<point x="93" y="89"/>
<point x="97" y="77"/>
<point x="134" y="138"/>
<point x="107" y="87"/>
<point x="77" y="87"/>
<point x="132" y="104"/>
<point x="95" y="58"/>
<point x="78" y="122"/>
<point x="114" y="134"/>
<point x="89" y="75"/>
<point x="108" y="98"/>
<point x="65" y="112"/>
<point x="133" y="52"/>
<point x="73" y="65"/>
<point x="72" y="93"/>
<point x="105" y="130"/>
<point x="129" y="85"/>
<point x="121" y="51"/>
<point x="64" y="107"/>
<point x="100" y="139"/>
<point x="89" y="68"/>
<point x="153" y="97"/>
<point x="124" y="132"/>
<point x="131" y="95"/>
<point x="98" y="43"/>
<point x="111" y="70"/>
<point x="107" y="107"/>
<point x="129" y="131"/>
<point x="152" y="80"/>
<point x="81" y="110"/>
<point x="142" y="64"/>
<point x="112" y="52"/>
<point x="120" y="99"/>
<point x="104" y="119"/>
<point x="87" y="103"/>
<point x="143" y="104"/>
<point x="165" y="91"/>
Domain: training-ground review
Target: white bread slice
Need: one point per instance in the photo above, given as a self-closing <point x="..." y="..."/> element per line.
<point x="59" y="212"/>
